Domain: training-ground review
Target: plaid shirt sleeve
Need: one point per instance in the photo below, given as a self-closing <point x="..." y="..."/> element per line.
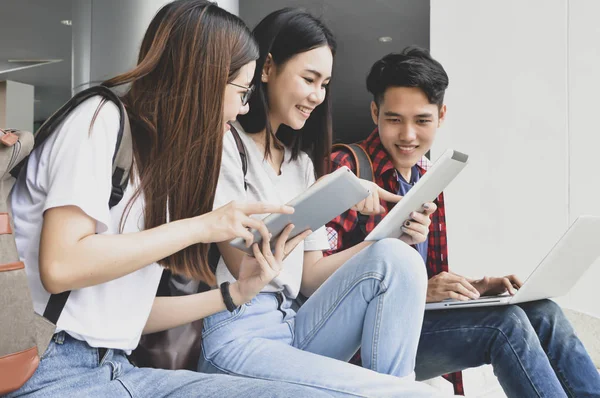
<point x="343" y="224"/>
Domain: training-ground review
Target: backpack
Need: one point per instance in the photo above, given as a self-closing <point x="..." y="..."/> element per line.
<point x="180" y="347"/>
<point x="25" y="335"/>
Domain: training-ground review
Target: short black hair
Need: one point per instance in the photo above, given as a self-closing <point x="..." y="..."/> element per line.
<point x="413" y="67"/>
<point x="283" y="34"/>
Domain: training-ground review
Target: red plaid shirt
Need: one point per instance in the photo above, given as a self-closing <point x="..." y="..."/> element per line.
<point x="344" y="231"/>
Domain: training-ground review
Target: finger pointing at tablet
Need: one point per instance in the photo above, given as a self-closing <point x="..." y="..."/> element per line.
<point x="233" y="220"/>
<point x="388" y="196"/>
<point x="372" y="205"/>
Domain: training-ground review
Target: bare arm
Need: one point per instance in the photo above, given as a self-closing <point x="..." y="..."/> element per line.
<point x="170" y="312"/>
<point x="316" y="268"/>
<point x="253" y="273"/>
<point x="232" y="257"/>
<point x="73" y="256"/>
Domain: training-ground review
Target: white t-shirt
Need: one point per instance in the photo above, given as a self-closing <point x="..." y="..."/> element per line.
<point x="265" y="185"/>
<point x="74" y="167"/>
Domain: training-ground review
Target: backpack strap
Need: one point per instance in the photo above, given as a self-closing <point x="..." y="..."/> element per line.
<point x="364" y="170"/>
<point x="122" y="161"/>
<point x="242" y="151"/>
<point x="122" y="158"/>
<point x="364" y="166"/>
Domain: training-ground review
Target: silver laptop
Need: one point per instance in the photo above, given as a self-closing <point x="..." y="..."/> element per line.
<point x="558" y="272"/>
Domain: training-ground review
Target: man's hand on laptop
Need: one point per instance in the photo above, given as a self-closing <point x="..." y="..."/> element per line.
<point x="448" y="285"/>
<point x="492" y="286"/>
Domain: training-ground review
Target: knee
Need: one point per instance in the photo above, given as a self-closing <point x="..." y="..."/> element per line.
<point x="511" y="320"/>
<point x="401" y="263"/>
<point x="548" y="314"/>
<point x="509" y="333"/>
<point x="546" y="309"/>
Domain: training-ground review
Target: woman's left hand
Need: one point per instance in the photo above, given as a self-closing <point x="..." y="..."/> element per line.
<point x="256" y="272"/>
<point x="416" y="228"/>
<point x="371" y="204"/>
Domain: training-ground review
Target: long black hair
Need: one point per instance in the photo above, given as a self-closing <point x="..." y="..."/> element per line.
<point x="283" y="34"/>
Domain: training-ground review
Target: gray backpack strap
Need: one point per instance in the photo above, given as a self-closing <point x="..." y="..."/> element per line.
<point x="122" y="159"/>
<point x="122" y="162"/>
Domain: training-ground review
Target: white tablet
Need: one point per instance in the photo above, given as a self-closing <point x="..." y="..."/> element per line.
<point x="425" y="190"/>
<point x="323" y="201"/>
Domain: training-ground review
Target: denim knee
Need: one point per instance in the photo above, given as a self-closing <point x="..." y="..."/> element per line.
<point x="548" y="315"/>
<point x="513" y="325"/>
<point x="400" y="263"/>
<point x="546" y="309"/>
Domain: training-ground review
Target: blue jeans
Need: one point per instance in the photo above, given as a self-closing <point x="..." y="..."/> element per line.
<point x="71" y="368"/>
<point x="532" y="347"/>
<point x="376" y="299"/>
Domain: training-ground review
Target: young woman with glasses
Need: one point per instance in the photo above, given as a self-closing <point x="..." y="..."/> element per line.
<point x="182" y="93"/>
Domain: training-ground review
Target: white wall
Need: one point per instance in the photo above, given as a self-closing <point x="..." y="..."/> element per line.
<point x="16" y="100"/>
<point x="521" y="104"/>
<point x="584" y="133"/>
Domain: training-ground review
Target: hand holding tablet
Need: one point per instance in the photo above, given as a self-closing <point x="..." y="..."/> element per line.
<point x="327" y="198"/>
<point x="444" y="170"/>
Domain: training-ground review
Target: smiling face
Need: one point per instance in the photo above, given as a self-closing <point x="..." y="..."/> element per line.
<point x="407" y="124"/>
<point x="297" y="87"/>
<point x="233" y="106"/>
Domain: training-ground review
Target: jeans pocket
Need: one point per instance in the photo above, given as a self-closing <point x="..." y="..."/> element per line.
<point x="221" y="319"/>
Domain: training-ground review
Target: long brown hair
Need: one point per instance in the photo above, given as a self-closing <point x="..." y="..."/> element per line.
<point x="191" y="50"/>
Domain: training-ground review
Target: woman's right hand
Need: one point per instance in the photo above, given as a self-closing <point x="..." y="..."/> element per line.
<point x="256" y="272"/>
<point x="371" y="205"/>
<point x="233" y="220"/>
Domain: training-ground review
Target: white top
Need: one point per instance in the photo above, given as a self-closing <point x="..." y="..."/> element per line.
<point x="266" y="186"/>
<point x="74" y="167"/>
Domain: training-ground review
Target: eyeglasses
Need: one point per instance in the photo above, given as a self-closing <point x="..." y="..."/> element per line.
<point x="247" y="94"/>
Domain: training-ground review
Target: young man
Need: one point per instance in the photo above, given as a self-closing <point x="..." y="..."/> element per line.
<point x="532" y="347"/>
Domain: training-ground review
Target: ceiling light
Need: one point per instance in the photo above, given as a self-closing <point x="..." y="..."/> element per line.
<point x="66" y="22"/>
<point x="385" y="39"/>
<point x="32" y="61"/>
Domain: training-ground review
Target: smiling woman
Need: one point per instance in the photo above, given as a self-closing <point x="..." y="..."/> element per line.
<point x="297" y="73"/>
<point x="286" y="131"/>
